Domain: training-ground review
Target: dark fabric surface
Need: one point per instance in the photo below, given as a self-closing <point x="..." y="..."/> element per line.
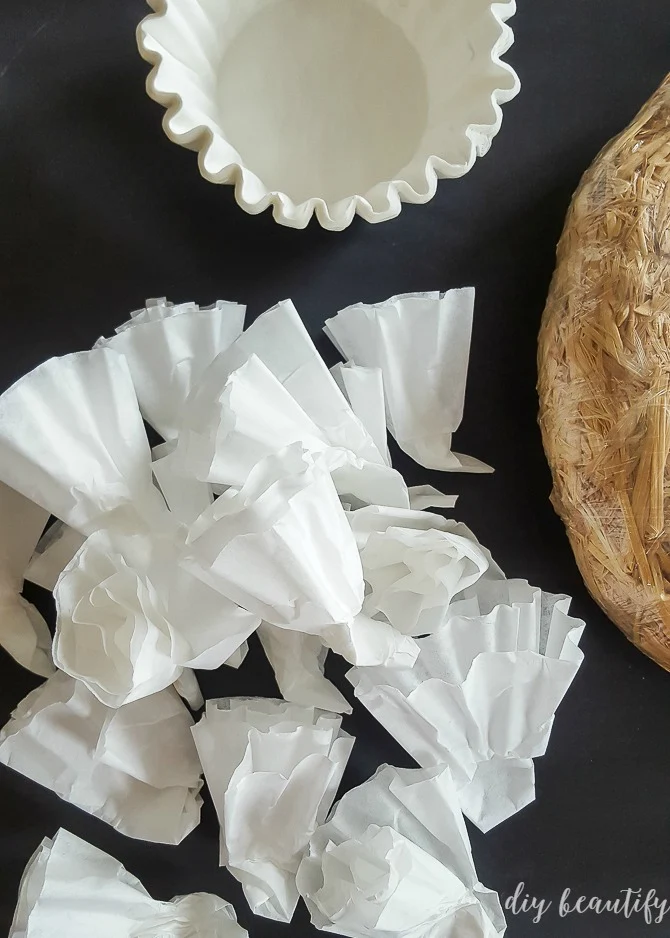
<point x="99" y="211"/>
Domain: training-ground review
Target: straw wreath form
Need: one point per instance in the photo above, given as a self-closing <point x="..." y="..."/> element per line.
<point x="604" y="378"/>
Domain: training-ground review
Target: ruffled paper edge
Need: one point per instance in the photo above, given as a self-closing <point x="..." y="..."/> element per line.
<point x="338" y="215"/>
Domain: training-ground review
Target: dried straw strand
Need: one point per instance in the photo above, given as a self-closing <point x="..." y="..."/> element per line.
<point x="604" y="378"/>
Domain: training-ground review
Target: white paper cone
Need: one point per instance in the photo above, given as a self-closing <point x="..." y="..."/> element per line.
<point x="281" y="547"/>
<point x="483" y="693"/>
<point x="129" y="618"/>
<point x="71" y="889"/>
<point x="168" y="352"/>
<point x="500" y="788"/>
<point x="279" y="338"/>
<point x="364" y="389"/>
<point x="242" y="411"/>
<point x="72" y="439"/>
<point x="394" y="858"/>
<point x="273" y="769"/>
<point x="297" y="660"/>
<point x="23" y="632"/>
<point x="421" y="343"/>
<point x="135" y="768"/>
<point x="234" y="419"/>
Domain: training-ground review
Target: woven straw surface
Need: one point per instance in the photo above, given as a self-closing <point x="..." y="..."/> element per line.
<point x="604" y="378"/>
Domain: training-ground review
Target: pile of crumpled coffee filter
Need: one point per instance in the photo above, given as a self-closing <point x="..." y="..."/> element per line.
<point x="270" y="507"/>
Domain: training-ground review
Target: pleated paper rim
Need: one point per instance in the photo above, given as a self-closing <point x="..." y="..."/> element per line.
<point x="332" y="215"/>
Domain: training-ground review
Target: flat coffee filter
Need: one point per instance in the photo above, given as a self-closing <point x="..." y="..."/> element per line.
<point x="330" y="106"/>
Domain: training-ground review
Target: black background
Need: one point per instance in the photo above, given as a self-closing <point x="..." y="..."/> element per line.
<point x="99" y="211"/>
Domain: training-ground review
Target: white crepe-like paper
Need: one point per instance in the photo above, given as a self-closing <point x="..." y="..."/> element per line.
<point x="297" y="660"/>
<point x="414" y="575"/>
<point x="364" y="389"/>
<point x="168" y="348"/>
<point x="394" y="858"/>
<point x="377" y="519"/>
<point x="159" y="308"/>
<point x="482" y="695"/>
<point x="130" y="619"/>
<point x="71" y="889"/>
<point x="234" y="419"/>
<point x="72" y="439"/>
<point x="186" y="496"/>
<point x="135" y="768"/>
<point x="248" y="406"/>
<point x="273" y="769"/>
<point x="421" y="343"/>
<point x="23" y="632"/>
<point x="112" y="632"/>
<point x="279" y="338"/>
<point x="282" y="548"/>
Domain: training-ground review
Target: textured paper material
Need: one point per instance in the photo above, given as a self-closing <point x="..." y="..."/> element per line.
<point x="412" y="576"/>
<point x="167" y="349"/>
<point x="421" y="343"/>
<point x="364" y="389"/>
<point x="280" y="340"/>
<point x="394" y="858"/>
<point x="54" y="552"/>
<point x="129" y="618"/>
<point x="23" y="632"/>
<point x="186" y="497"/>
<point x="281" y="547"/>
<point x="261" y="90"/>
<point x="235" y="419"/>
<point x="72" y="439"/>
<point x="482" y="695"/>
<point x="71" y="889"/>
<point x="135" y="768"/>
<point x="273" y="770"/>
<point x="297" y="660"/>
<point x="271" y="389"/>
<point x="159" y="308"/>
<point x="377" y="519"/>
